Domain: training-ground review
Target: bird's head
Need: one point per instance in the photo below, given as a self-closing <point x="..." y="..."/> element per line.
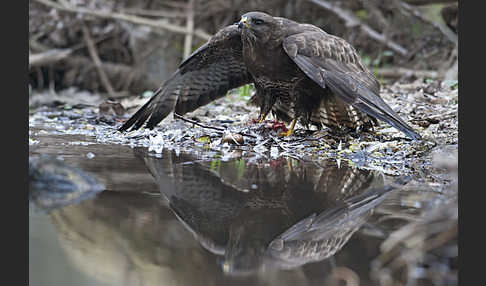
<point x="257" y="24"/>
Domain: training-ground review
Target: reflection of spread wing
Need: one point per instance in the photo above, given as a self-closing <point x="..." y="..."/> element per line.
<point x="333" y="63"/>
<point x="200" y="200"/>
<point x="320" y="236"/>
<point x="206" y="75"/>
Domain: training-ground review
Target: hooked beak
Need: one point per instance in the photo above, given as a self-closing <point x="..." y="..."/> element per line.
<point x="243" y="23"/>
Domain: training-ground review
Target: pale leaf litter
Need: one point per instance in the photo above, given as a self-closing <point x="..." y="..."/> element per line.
<point x="429" y="107"/>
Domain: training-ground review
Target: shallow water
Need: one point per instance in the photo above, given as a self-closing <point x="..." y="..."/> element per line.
<point x="211" y="218"/>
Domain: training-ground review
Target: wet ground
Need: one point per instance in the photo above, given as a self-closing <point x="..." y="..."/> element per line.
<point x="188" y="204"/>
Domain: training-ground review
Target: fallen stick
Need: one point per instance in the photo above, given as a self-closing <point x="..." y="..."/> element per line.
<point x="197" y="123"/>
<point x="48" y="57"/>
<point x="399" y="72"/>
<point x="222" y="130"/>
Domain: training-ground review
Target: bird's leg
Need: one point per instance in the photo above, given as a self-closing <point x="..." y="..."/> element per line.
<point x="263" y="116"/>
<point x="291" y="130"/>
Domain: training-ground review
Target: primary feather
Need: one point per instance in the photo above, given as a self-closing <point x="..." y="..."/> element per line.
<point x="206" y="75"/>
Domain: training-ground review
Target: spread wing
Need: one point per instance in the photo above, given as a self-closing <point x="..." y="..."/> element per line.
<point x="206" y="75"/>
<point x="333" y="63"/>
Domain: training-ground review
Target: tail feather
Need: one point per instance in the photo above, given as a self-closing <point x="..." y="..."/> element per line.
<point x="368" y="102"/>
<point x="141" y="115"/>
<point x="391" y="119"/>
<point x="337" y="114"/>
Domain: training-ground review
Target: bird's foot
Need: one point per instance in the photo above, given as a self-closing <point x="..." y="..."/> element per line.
<point x="258" y="120"/>
<point x="262" y="118"/>
<point x="290" y="131"/>
<point x="287" y="133"/>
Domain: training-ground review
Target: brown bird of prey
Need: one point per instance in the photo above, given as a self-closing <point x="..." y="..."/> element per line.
<point x="300" y="72"/>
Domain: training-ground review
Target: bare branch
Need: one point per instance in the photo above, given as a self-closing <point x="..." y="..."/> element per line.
<point x="129" y="18"/>
<point x="353" y="21"/>
<point x="154" y="13"/>
<point x="48" y="57"/>
<point x="96" y="60"/>
<point x="190" y="28"/>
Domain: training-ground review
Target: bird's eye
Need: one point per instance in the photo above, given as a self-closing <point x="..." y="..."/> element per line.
<point x="258" y="21"/>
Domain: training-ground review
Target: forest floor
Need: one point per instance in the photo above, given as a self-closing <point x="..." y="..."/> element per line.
<point x="228" y="124"/>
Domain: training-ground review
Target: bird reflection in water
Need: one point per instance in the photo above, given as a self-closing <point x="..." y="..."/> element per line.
<point x="277" y="214"/>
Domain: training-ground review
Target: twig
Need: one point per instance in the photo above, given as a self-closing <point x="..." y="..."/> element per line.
<point x="280" y="145"/>
<point x="222" y="130"/>
<point x="399" y="72"/>
<point x="353" y="21"/>
<point x="309" y="139"/>
<point x="198" y="124"/>
<point x="96" y="60"/>
<point x="154" y="13"/>
<point x="129" y="18"/>
<point x="441" y="116"/>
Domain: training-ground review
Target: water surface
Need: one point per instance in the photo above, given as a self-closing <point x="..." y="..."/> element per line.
<point x="207" y="218"/>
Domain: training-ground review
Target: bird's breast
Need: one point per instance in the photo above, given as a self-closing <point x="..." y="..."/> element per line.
<point x="273" y="64"/>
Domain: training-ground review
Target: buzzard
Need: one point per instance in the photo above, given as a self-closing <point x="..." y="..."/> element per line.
<point x="300" y="72"/>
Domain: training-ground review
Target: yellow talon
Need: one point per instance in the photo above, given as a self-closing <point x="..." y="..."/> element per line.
<point x="291" y="129"/>
<point x="262" y="117"/>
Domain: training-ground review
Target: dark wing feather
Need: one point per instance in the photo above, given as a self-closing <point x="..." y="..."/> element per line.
<point x="321" y="235"/>
<point x="333" y="63"/>
<point x="206" y="75"/>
